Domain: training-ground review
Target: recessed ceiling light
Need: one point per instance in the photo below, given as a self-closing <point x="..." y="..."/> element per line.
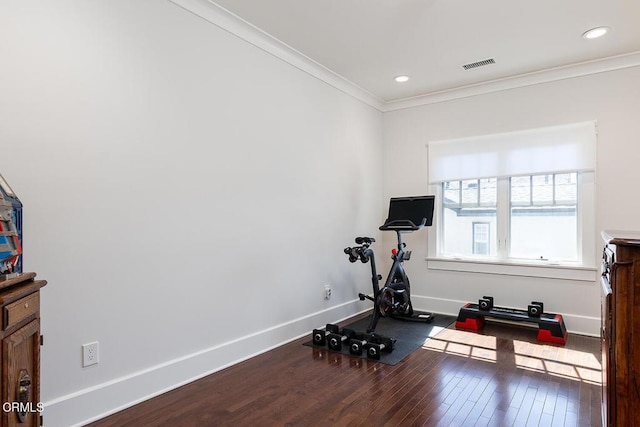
<point x="401" y="79"/>
<point x="594" y="33"/>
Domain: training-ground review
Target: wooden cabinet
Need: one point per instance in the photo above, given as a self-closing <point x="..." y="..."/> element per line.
<point x="620" y="331"/>
<point x="20" y="346"/>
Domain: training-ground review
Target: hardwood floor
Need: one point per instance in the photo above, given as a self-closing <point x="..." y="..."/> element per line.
<point x="501" y="377"/>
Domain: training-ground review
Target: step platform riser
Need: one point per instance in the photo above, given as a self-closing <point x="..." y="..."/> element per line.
<point x="551" y="326"/>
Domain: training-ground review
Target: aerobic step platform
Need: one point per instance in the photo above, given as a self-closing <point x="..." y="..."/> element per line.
<point x="551" y="326"/>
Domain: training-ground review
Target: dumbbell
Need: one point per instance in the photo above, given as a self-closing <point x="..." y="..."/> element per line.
<point x="335" y="339"/>
<point x="535" y="309"/>
<point x="319" y="336"/>
<point x="353" y="253"/>
<point x="485" y="304"/>
<point x="357" y="343"/>
<point x="377" y="345"/>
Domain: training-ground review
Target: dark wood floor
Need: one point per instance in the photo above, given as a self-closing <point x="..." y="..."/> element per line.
<point x="501" y="377"/>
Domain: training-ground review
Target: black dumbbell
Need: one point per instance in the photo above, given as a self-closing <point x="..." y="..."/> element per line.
<point x="357" y="343"/>
<point x="353" y="253"/>
<point x="319" y="336"/>
<point x="377" y="345"/>
<point x="535" y="309"/>
<point x="485" y="304"/>
<point x="335" y="339"/>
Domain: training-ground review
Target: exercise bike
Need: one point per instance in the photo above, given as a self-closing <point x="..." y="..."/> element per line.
<point x="406" y="215"/>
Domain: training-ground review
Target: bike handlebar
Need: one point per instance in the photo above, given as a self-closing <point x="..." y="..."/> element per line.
<point x="402" y="224"/>
<point x="367" y="240"/>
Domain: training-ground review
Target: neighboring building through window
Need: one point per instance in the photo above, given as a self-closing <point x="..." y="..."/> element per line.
<point x="467" y="203"/>
<point x="481" y="238"/>
<point x="540" y="222"/>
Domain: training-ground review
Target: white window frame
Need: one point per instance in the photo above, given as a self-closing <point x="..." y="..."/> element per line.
<point x="583" y="270"/>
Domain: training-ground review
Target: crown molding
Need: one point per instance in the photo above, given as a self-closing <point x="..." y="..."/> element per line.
<point x="522" y="80"/>
<point x="233" y="24"/>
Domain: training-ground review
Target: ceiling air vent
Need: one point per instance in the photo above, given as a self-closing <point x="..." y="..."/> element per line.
<point x="479" y="64"/>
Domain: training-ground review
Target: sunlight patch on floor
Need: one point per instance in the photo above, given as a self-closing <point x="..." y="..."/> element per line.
<point x="538" y="357"/>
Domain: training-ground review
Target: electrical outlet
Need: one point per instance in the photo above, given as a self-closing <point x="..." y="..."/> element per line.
<point x="327" y="291"/>
<point x="90" y="354"/>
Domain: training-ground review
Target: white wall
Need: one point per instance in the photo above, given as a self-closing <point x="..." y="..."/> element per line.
<point x="611" y="98"/>
<point x="186" y="194"/>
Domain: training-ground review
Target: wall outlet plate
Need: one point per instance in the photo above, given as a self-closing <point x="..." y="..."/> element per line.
<point x="327" y="291"/>
<point x="90" y="354"/>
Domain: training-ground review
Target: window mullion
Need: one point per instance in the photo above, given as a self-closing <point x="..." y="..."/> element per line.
<point x="502" y="217"/>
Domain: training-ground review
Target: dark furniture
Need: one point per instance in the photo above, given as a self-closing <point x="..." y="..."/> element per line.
<point x="20" y="336"/>
<point x="620" y="331"/>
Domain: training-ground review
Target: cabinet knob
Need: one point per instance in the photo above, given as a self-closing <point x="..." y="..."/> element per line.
<point x="26" y="305"/>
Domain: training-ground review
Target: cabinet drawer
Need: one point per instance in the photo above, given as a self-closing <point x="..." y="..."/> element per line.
<point x="19" y="310"/>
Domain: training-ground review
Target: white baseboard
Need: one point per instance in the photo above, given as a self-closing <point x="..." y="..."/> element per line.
<point x="575" y="323"/>
<point x="101" y="400"/>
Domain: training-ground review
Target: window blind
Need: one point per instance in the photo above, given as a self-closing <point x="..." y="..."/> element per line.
<point x="556" y="149"/>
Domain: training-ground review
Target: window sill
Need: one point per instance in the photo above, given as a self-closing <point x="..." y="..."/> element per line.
<point x="548" y="271"/>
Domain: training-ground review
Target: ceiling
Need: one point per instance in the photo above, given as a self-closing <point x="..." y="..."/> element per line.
<point x="369" y="42"/>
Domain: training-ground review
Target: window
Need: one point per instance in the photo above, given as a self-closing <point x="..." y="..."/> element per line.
<point x="518" y="198"/>
<point x="540" y="223"/>
<point x="481" y="238"/>
<point x="469" y="211"/>
<point x="543" y="221"/>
